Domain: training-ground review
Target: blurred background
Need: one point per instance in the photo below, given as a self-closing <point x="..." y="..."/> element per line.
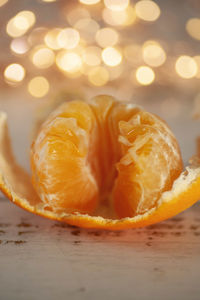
<point x="147" y="52"/>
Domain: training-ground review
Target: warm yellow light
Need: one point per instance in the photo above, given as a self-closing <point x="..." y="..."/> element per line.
<point x="89" y="2"/>
<point x="145" y="75"/>
<point x="92" y="56"/>
<point x="133" y="53"/>
<point x="119" y="18"/>
<point x="69" y="61"/>
<point x="38" y="86"/>
<point x="197" y="60"/>
<point x="51" y="38"/>
<point x="106" y="37"/>
<point x="87" y="28"/>
<point x="27" y="15"/>
<point x="186" y="67"/>
<point x="20" y="24"/>
<point x="14" y="73"/>
<point x="2" y="2"/>
<point x="115" y="72"/>
<point x="116" y="5"/>
<point x="49" y="0"/>
<point x="77" y="14"/>
<point x="43" y="57"/>
<point x="153" y="54"/>
<point x="147" y="10"/>
<point x="193" y="28"/>
<point x="111" y="56"/>
<point x="19" y="45"/>
<point x="68" y="38"/>
<point x="98" y="76"/>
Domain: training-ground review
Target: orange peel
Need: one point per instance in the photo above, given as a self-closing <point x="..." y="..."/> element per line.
<point x="17" y="185"/>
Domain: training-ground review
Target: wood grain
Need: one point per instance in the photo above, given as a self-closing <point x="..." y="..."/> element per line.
<point x="42" y="259"/>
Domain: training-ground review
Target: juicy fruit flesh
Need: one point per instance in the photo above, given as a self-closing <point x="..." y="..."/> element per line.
<point x="103" y="158"/>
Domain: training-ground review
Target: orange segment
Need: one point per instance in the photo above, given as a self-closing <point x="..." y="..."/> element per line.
<point x="150" y="164"/>
<point x="101" y="164"/>
<point x="61" y="171"/>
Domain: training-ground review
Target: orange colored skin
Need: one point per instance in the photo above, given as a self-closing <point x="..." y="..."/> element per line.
<point x="165" y="211"/>
<point x="15" y="183"/>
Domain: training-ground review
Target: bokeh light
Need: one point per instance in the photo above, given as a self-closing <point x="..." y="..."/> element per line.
<point x="14" y="73"/>
<point x="49" y="0"/>
<point x="38" y="86"/>
<point x="89" y="2"/>
<point x="69" y="61"/>
<point x="111" y="56"/>
<point x="21" y="23"/>
<point x="98" y="76"/>
<point x="116" y="5"/>
<point x="92" y="56"/>
<point x="147" y="10"/>
<point x="76" y="14"/>
<point x="42" y="57"/>
<point x="87" y="28"/>
<point x="133" y="53"/>
<point x="197" y="60"/>
<point x="153" y="54"/>
<point x="119" y="18"/>
<point x="106" y="37"/>
<point x="51" y="38"/>
<point x="2" y="2"/>
<point x="19" y="45"/>
<point x="68" y="38"/>
<point x="145" y="75"/>
<point x="193" y="28"/>
<point x="186" y="67"/>
<point x="115" y="72"/>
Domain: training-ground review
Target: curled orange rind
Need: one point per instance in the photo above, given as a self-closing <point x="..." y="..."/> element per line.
<point x="16" y="184"/>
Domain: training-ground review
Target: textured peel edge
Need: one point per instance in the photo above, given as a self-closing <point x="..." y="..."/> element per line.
<point x="15" y="183"/>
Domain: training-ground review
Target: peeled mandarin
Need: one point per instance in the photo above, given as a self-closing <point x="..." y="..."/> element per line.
<point x="103" y="157"/>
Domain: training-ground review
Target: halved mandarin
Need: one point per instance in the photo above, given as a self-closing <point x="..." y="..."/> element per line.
<point x="101" y="164"/>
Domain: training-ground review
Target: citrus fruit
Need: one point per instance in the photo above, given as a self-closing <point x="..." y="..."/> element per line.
<point x="101" y="164"/>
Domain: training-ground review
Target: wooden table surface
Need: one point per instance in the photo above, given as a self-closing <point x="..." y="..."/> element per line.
<point x="42" y="259"/>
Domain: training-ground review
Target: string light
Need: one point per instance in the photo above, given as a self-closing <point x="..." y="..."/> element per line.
<point x="97" y="46"/>
<point x="145" y="75"/>
<point x="186" y="67"/>
<point x="147" y="10"/>
<point x="14" y="73"/>
<point x="38" y="86"/>
<point x="111" y="56"/>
